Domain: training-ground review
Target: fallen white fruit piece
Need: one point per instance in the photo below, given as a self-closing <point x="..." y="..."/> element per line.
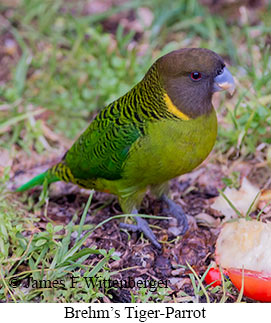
<point x="242" y="199"/>
<point x="245" y="244"/>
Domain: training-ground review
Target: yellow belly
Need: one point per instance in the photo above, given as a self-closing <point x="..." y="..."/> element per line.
<point x="169" y="149"/>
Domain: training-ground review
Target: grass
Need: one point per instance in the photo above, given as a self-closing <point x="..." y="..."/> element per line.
<point x="66" y="66"/>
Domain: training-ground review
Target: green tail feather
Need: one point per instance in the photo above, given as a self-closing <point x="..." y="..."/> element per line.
<point x="38" y="180"/>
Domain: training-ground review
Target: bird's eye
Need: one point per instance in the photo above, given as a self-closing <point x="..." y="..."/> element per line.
<point x="195" y="76"/>
<point x="219" y="71"/>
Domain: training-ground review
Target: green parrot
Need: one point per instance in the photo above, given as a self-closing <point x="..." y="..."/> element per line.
<point x="164" y="127"/>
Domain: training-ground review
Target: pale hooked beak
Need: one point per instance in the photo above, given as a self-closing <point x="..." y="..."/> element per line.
<point x="224" y="81"/>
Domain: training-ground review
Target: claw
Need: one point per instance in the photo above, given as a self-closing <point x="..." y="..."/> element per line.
<point x="142" y="226"/>
<point x="177" y="211"/>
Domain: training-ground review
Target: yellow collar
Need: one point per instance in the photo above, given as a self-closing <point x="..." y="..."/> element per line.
<point x="173" y="109"/>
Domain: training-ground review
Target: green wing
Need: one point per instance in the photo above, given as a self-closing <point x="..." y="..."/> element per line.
<point x="102" y="149"/>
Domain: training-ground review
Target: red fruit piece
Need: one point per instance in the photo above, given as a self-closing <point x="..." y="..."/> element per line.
<point x="257" y="285"/>
<point x="213" y="276"/>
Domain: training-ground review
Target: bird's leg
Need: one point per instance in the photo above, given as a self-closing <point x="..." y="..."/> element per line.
<point x="161" y="191"/>
<point x="177" y="211"/>
<point x="141" y="226"/>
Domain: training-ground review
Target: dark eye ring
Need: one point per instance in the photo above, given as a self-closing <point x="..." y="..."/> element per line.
<point x="195" y="76"/>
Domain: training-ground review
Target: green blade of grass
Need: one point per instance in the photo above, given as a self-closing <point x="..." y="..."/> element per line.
<point x="240" y="296"/>
<point x="83" y="218"/>
<point x="230" y="203"/>
<point x="200" y="282"/>
<point x="18" y="118"/>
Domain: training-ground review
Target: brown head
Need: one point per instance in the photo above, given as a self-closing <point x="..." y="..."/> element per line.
<point x="190" y="76"/>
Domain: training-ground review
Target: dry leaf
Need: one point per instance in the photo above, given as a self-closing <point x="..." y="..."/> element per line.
<point x="265" y="201"/>
<point x="265" y="196"/>
<point x="207" y="220"/>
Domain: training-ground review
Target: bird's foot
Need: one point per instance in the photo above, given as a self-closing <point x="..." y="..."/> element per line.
<point x="142" y="226"/>
<point x="177" y="211"/>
